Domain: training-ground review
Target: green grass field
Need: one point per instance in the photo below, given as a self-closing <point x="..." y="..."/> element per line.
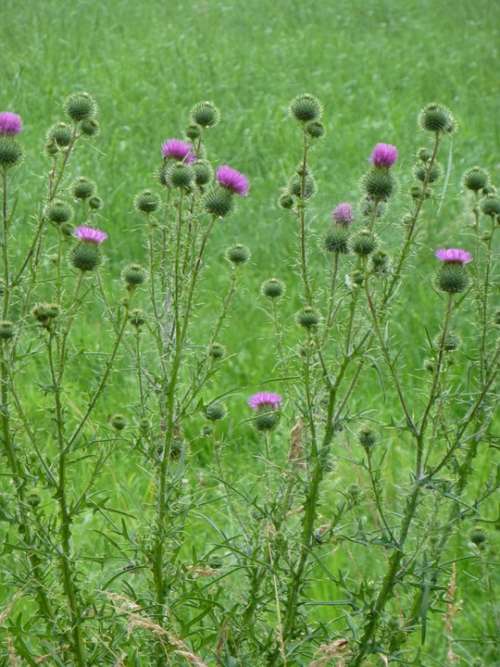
<point x="373" y="64"/>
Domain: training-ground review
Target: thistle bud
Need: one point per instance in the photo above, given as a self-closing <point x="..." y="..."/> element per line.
<point x="424" y="154"/>
<point x="285" y="200"/>
<point x="367" y="437"/>
<point x="89" y="127"/>
<point x="180" y="175"/>
<point x="306" y="108"/>
<point x="238" y="254"/>
<point x="477" y="537"/>
<point x="380" y="262"/>
<point x="67" y="229"/>
<point x="218" y="202"/>
<point x="44" y="313"/>
<point x="364" y="242"/>
<point x="205" y="114"/>
<point x="308" y="318"/>
<point x="193" y="132"/>
<point x="147" y="201"/>
<point x="266" y="420"/>
<point x="476" y="179"/>
<point x="80" y="106"/>
<point x="10" y="152"/>
<point x="51" y="148"/>
<point x="134" y="275"/>
<point x="216" y="351"/>
<point x="430" y="175"/>
<point x="490" y="205"/>
<point x="6" y="330"/>
<point x="215" y="411"/>
<point x="436" y="118"/>
<point x="137" y="318"/>
<point x="295" y="186"/>
<point x="379" y="184"/>
<point x="272" y="288"/>
<point x="452" y="278"/>
<point x="450" y="343"/>
<point x="203" y="172"/>
<point x="85" y="256"/>
<point x="83" y="188"/>
<point x="337" y="239"/>
<point x="118" y="422"/>
<point x="33" y="500"/>
<point x="61" y="134"/>
<point x="315" y="129"/>
<point x="95" y="203"/>
<point x="58" y="212"/>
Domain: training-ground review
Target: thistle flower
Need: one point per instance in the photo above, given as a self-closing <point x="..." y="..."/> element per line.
<point x="265" y="399"/>
<point x="10" y="123"/>
<point x="342" y="213"/>
<point x="90" y="235"/>
<point x="233" y="180"/>
<point x="178" y="150"/>
<point x="453" y="256"/>
<point x="384" y="155"/>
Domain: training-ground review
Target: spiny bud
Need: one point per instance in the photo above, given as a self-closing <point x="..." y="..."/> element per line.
<point x="337" y="239"/>
<point x="380" y="262"/>
<point x="10" y="152"/>
<point x="490" y="205"/>
<point x="308" y="318"/>
<point x="58" y="212"/>
<point x="89" y="127"/>
<point x="417" y="191"/>
<point x="67" y="229"/>
<point x="80" y="106"/>
<point x="452" y="278"/>
<point x="45" y="312"/>
<point x="364" y="242"/>
<point x="477" y="537"/>
<point x="134" y="275"/>
<point x="218" y="202"/>
<point x="367" y="437"/>
<point x="306" y="108"/>
<point x="147" y="201"/>
<point x="450" y="343"/>
<point x="309" y="185"/>
<point x="33" y="500"/>
<point x="118" y="422"/>
<point x="436" y="118"/>
<point x="285" y="200"/>
<point x="61" y="134"/>
<point x="424" y="154"/>
<point x="272" y="288"/>
<point x="238" y="254"/>
<point x="379" y="184"/>
<point x="193" y="132"/>
<point x="266" y="420"/>
<point x="83" y="188"/>
<point x="203" y="172"/>
<point x="137" y="318"/>
<point x="426" y="174"/>
<point x="205" y="114"/>
<point x="216" y="351"/>
<point x="476" y="179"/>
<point x="95" y="203"/>
<point x="215" y="411"/>
<point x="6" y="330"/>
<point x="180" y="175"/>
<point x="51" y="148"/>
<point x="315" y="129"/>
<point x="85" y="256"/>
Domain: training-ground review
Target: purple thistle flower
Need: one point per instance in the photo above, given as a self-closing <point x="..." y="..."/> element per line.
<point x="453" y="255"/>
<point x="10" y="123"/>
<point x="90" y="235"/>
<point x="384" y="155"/>
<point x="233" y="180"/>
<point x="178" y="150"/>
<point x="265" y="399"/>
<point x="342" y="213"/>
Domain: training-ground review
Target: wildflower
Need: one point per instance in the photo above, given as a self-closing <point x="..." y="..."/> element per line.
<point x="232" y="180"/>
<point x="453" y="256"/>
<point x="342" y="213"/>
<point x="10" y="123"/>
<point x="384" y="155"/>
<point x="178" y="150"/>
<point x="90" y="235"/>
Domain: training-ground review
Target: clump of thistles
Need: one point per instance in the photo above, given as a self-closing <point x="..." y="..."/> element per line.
<point x="342" y="214"/>
<point x="454" y="256"/>
<point x="179" y="150"/>
<point x="232" y="180"/>
<point x="90" y="235"/>
<point x="10" y="123"/>
<point x="384" y="155"/>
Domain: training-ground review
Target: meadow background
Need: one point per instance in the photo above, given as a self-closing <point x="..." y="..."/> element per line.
<point x="372" y="64"/>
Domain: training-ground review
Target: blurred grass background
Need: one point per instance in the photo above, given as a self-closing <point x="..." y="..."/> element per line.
<point x="373" y="64"/>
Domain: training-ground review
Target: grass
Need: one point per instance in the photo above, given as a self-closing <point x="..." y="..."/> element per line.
<point x="373" y="65"/>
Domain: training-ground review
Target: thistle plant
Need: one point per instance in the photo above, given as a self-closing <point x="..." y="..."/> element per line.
<point x="338" y="538"/>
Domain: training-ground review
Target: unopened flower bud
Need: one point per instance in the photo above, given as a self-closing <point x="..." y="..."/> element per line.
<point x="6" y="330"/>
<point x="379" y="184"/>
<point x="285" y="200"/>
<point x="33" y="500"/>
<point x="80" y="106"/>
<point x="305" y="108"/>
<point x="424" y="154"/>
<point x="147" y="201"/>
<point x="86" y="256"/>
<point x="450" y="343"/>
<point x="89" y="127"/>
<point x="266" y="420"/>
<point x="215" y="411"/>
<point x="118" y="422"/>
<point x="95" y="203"/>
<point x="238" y="254"/>
<point x="272" y="288"/>
<point x="216" y="351"/>
<point x="308" y="318"/>
<point x="380" y="262"/>
<point x="337" y="239"/>
<point x="490" y="205"/>
<point x="309" y="184"/>
<point x="218" y="202"/>
<point x="180" y="175"/>
<point x="436" y="118"/>
<point x="426" y="174"/>
<point x="452" y="278"/>
<point x="137" y="318"/>
<point x="61" y="133"/>
<point x="203" y="172"/>
<point x="10" y="152"/>
<point x="193" y="132"/>
<point x="364" y="242"/>
<point x="476" y="179"/>
<point x="58" y="212"/>
<point x="315" y="129"/>
<point x="67" y="229"/>
<point x="134" y="275"/>
<point x="205" y="114"/>
<point x="477" y="537"/>
<point x="83" y="188"/>
<point x="367" y="437"/>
